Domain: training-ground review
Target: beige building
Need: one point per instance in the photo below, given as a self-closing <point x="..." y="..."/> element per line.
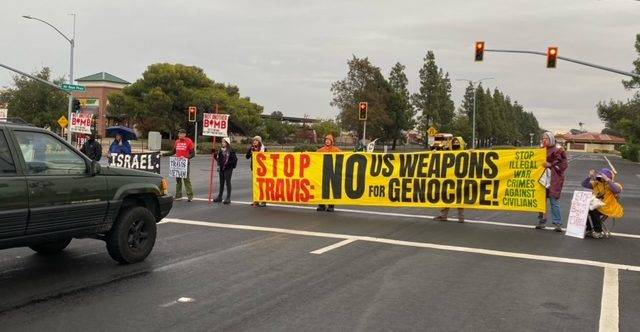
<point x="94" y="100"/>
<point x="592" y="142"/>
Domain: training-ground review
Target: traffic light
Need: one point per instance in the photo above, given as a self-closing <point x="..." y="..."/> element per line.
<point x="479" y="50"/>
<point x="192" y="114"/>
<point x="362" y="111"/>
<point x="552" y="56"/>
<point x="75" y="105"/>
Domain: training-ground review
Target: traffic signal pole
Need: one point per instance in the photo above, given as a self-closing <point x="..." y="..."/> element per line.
<point x="580" y="62"/>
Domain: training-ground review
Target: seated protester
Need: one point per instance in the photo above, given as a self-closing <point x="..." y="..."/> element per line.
<point x="607" y="190"/>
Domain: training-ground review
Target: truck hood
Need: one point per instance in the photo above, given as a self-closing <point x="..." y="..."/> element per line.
<point x="119" y="171"/>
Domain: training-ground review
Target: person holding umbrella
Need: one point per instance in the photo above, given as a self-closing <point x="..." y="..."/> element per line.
<point x="184" y="148"/>
<point x="120" y="144"/>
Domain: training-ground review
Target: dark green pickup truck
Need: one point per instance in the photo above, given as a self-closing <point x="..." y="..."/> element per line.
<point x="51" y="193"/>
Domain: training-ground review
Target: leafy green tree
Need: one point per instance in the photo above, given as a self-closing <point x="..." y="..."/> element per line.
<point x="35" y="102"/>
<point x="159" y="100"/>
<point x="634" y="83"/>
<point x="399" y="105"/>
<point x="364" y="82"/>
<point x="433" y="101"/>
<point x="325" y="127"/>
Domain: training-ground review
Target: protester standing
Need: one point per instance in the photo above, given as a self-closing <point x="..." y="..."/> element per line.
<point x="256" y="146"/>
<point x="120" y="145"/>
<point x="92" y="148"/>
<point x="456" y="144"/>
<point x="183" y="148"/>
<point x="607" y="191"/>
<point x="556" y="164"/>
<point x="329" y="147"/>
<point x="227" y="161"/>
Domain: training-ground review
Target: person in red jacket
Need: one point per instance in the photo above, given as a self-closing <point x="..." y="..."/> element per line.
<point x="184" y="148"/>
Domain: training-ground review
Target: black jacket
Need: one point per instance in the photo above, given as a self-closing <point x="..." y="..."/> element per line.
<point x="92" y="149"/>
<point x="231" y="163"/>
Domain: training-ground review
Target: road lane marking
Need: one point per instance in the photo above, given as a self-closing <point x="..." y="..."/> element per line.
<point x="480" y="251"/>
<point x="333" y="246"/>
<point x="611" y="165"/>
<point x="609" y="309"/>
<point x="407" y="215"/>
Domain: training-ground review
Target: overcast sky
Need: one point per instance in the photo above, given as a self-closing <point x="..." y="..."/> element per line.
<point x="285" y="54"/>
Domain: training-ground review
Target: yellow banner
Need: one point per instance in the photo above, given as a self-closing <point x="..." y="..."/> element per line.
<point x="479" y="179"/>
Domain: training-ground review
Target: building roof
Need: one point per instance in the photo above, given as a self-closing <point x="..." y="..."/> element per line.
<point x="102" y="77"/>
<point x="594" y="138"/>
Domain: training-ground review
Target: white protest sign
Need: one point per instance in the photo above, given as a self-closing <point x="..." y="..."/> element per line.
<point x="178" y="167"/>
<point x="80" y="124"/>
<point x="4" y="114"/>
<point x="577" y="222"/>
<point x="215" y="124"/>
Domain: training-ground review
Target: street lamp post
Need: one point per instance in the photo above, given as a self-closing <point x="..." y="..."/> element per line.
<point x="473" y="126"/>
<point x="72" y="43"/>
<point x="531" y="139"/>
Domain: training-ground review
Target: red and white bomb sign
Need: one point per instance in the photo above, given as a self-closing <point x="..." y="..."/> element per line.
<point x="80" y="124"/>
<point x="215" y="124"/>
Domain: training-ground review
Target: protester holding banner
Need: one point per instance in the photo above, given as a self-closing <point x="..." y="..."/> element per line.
<point x="227" y="161"/>
<point x="120" y="145"/>
<point x="183" y="148"/>
<point x="607" y="191"/>
<point x="256" y="146"/>
<point x="456" y="144"/>
<point x="92" y="148"/>
<point x="328" y="147"/>
<point x="556" y="164"/>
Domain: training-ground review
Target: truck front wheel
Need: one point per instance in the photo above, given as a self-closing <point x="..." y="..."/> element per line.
<point x="132" y="236"/>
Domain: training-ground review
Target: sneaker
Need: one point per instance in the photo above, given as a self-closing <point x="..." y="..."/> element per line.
<point x="597" y="235"/>
<point x="226" y="202"/>
<point x="540" y="226"/>
<point x="441" y="218"/>
<point x="330" y="208"/>
<point x="263" y="204"/>
<point x="461" y="219"/>
<point x="217" y="200"/>
<point x="254" y="204"/>
<point x="190" y="199"/>
<point x="558" y="229"/>
<point x="321" y="208"/>
<point x="588" y="234"/>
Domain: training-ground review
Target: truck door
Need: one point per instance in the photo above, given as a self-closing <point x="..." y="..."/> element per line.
<point x="14" y="201"/>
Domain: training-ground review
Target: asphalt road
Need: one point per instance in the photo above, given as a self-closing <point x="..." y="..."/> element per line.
<point x="235" y="267"/>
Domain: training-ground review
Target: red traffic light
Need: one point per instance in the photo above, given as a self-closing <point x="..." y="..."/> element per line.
<point x="552" y="57"/>
<point x="192" y="113"/>
<point x="479" y="50"/>
<point x="362" y="110"/>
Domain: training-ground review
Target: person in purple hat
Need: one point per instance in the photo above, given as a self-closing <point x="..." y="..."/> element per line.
<point x="608" y="191"/>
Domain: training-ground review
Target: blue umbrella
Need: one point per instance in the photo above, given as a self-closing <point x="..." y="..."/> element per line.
<point x="125" y="132"/>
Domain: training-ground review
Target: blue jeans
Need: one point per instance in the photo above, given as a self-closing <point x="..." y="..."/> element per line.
<point x="556" y="216"/>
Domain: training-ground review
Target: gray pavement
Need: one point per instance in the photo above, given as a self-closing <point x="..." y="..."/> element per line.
<point x="248" y="268"/>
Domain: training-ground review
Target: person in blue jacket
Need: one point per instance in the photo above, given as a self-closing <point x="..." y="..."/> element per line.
<point x="120" y="145"/>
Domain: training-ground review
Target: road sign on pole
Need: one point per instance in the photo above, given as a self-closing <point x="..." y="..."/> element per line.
<point x="73" y="87"/>
<point x="63" y="122"/>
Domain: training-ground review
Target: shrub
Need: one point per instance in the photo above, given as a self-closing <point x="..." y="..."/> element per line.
<point x="305" y="148"/>
<point x="630" y="152"/>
